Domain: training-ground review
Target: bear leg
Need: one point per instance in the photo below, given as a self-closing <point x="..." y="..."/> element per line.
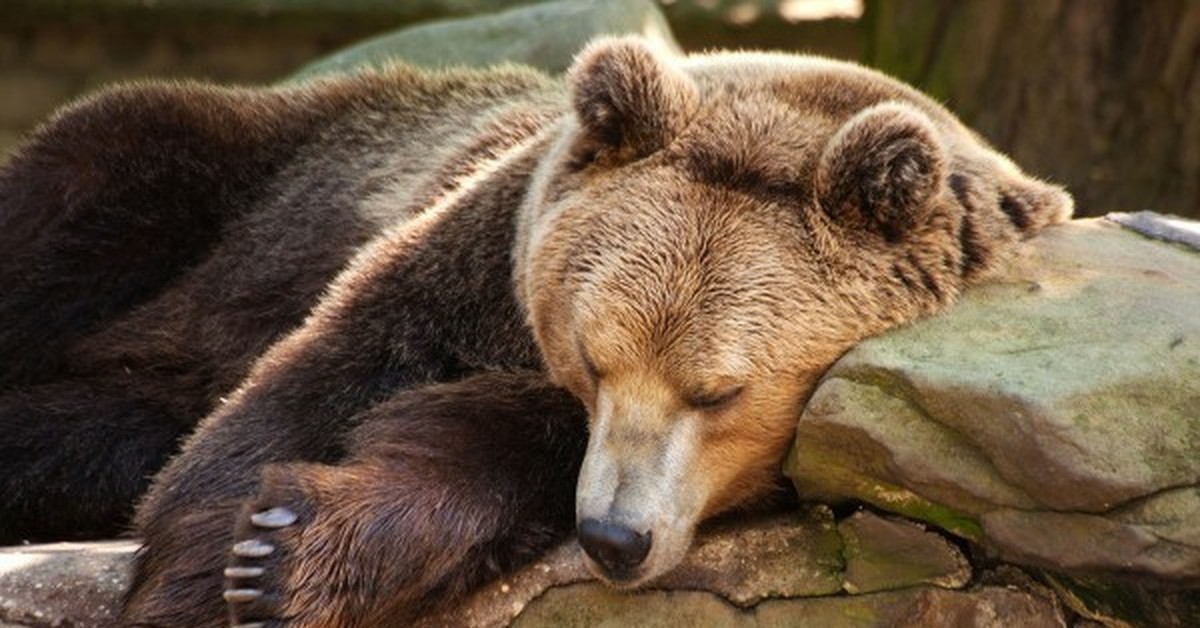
<point x="449" y="486"/>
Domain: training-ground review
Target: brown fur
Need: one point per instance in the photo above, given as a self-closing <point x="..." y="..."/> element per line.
<point x="683" y="244"/>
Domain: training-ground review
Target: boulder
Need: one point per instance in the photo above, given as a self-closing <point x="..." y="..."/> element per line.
<point x="593" y="605"/>
<point x="545" y="36"/>
<point x="787" y="570"/>
<point x="63" y="584"/>
<point x="736" y="563"/>
<point x="1053" y="415"/>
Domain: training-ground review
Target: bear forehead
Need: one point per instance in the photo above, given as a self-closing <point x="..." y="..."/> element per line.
<point x="764" y="119"/>
<point x="714" y="278"/>
<point x="813" y="84"/>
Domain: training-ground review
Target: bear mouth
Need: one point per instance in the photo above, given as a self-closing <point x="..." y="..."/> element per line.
<point x="621" y="578"/>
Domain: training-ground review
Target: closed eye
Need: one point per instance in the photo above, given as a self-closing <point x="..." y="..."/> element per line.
<point x="588" y="365"/>
<point x="714" y="401"/>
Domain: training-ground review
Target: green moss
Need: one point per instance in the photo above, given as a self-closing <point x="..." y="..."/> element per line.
<point x="818" y="474"/>
<point x="914" y="506"/>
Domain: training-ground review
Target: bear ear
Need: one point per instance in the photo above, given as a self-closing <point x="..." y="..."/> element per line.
<point x="881" y="168"/>
<point x="629" y="99"/>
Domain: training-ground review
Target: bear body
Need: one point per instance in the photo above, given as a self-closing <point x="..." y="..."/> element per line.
<point x="434" y="322"/>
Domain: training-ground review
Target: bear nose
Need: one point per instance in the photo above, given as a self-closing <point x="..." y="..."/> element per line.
<point x="614" y="547"/>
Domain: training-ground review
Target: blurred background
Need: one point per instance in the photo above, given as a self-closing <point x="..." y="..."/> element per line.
<point x="1101" y="95"/>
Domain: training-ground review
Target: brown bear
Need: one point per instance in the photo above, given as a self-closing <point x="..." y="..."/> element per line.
<point x="439" y="321"/>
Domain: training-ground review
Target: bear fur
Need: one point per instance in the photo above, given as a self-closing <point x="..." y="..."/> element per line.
<point x="422" y="323"/>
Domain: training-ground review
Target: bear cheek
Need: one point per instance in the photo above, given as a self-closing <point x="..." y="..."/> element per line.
<point x="742" y="460"/>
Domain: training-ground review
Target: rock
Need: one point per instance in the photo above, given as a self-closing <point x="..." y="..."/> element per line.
<point x="780" y="571"/>
<point x="63" y="584"/>
<point x="544" y="36"/>
<point x="988" y="606"/>
<point x="799" y="555"/>
<point x="1165" y="545"/>
<point x="1160" y="227"/>
<point x="887" y="553"/>
<point x="1053" y="414"/>
<point x="588" y="605"/>
<point x="794" y="555"/>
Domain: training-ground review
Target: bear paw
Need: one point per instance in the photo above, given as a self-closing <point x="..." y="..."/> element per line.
<point x="266" y="537"/>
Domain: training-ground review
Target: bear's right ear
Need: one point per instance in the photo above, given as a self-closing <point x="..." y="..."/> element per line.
<point x="629" y="99"/>
<point x="881" y="168"/>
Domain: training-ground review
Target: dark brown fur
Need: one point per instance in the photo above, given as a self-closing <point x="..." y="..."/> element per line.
<point x="327" y="273"/>
<point x="154" y="246"/>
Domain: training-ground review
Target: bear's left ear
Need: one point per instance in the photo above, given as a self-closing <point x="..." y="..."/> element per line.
<point x="881" y="168"/>
<point x="629" y="99"/>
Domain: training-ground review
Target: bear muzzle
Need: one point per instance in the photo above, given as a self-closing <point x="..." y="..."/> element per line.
<point x="639" y="498"/>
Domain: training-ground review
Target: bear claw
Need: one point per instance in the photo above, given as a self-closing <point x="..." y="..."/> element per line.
<point x="241" y="596"/>
<point x="274" y="518"/>
<point x="252" y="548"/>
<point x="244" y="572"/>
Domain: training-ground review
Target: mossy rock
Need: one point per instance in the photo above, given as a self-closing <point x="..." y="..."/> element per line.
<point x="1053" y="415"/>
<point x="544" y="36"/>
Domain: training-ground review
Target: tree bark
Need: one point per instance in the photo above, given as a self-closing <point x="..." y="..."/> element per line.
<point x="1101" y="95"/>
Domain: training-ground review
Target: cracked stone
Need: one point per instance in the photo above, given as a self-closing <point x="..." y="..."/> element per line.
<point x="884" y="553"/>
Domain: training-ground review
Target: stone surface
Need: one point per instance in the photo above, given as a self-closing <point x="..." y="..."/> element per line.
<point x="889" y="553"/>
<point x="63" y="584"/>
<point x="1158" y="536"/>
<point x="781" y="571"/>
<point x="561" y="29"/>
<point x="786" y="556"/>
<point x="1053" y="414"/>
<point x="592" y="605"/>
<point x="1160" y="227"/>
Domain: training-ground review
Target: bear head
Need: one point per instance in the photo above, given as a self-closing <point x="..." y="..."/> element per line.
<point x="703" y="237"/>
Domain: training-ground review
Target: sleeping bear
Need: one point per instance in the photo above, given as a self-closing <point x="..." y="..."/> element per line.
<point x="426" y="325"/>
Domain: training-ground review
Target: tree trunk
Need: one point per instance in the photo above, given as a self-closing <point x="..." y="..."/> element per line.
<point x="1101" y="95"/>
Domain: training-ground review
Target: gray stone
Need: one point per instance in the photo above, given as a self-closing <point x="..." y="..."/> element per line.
<point x="888" y="553"/>
<point x="544" y="36"/>
<point x="592" y="605"/>
<point x="737" y="565"/>
<point x="990" y="607"/>
<point x="1072" y="383"/>
<point x="1164" y="545"/>
<point x="1160" y="226"/>
<point x="63" y="584"/>
<point x="798" y="555"/>
<point x="1052" y="415"/>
